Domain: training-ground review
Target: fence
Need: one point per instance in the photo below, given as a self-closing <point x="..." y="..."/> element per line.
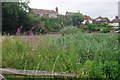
<point x="34" y="73"/>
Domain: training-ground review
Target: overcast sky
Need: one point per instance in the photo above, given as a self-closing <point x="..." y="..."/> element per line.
<point x="93" y="8"/>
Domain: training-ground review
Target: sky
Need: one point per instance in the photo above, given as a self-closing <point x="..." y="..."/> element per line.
<point x="92" y="8"/>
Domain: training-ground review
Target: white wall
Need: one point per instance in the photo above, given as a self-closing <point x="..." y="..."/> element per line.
<point x="53" y="15"/>
<point x="114" y="24"/>
<point x="50" y="15"/>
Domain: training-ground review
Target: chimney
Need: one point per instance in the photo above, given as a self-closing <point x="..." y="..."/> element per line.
<point x="116" y="16"/>
<point x="57" y="9"/>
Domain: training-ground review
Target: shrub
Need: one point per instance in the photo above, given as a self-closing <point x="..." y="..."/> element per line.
<point x="68" y="30"/>
<point x="114" y="29"/>
<point x="105" y="30"/>
<point x="95" y="28"/>
<point x="85" y="28"/>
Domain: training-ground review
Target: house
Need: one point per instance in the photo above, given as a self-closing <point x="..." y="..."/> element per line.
<point x="100" y="20"/>
<point x="69" y="13"/>
<point x="46" y="13"/>
<point x="87" y="19"/>
<point x="115" y="22"/>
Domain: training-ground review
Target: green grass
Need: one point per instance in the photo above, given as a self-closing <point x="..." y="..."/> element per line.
<point x="90" y="55"/>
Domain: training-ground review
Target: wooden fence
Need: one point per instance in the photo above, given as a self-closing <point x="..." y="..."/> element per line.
<point x="34" y="73"/>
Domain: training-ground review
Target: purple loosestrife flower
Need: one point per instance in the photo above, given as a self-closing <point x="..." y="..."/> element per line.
<point x="36" y="33"/>
<point x="48" y="46"/>
<point x="39" y="44"/>
<point x="18" y="30"/>
<point x="24" y="37"/>
<point x="51" y="46"/>
<point x="45" y="44"/>
<point x="21" y="27"/>
<point x="64" y="47"/>
<point x="31" y="34"/>
<point x="33" y="27"/>
<point x="35" y="37"/>
<point x="24" y="32"/>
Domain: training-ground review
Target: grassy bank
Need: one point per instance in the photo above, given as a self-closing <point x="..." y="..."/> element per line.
<point x="90" y="55"/>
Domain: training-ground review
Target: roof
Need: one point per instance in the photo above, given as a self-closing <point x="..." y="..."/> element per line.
<point x="87" y="17"/>
<point x="99" y="19"/>
<point x="69" y="13"/>
<point x="116" y="20"/>
<point x="40" y="11"/>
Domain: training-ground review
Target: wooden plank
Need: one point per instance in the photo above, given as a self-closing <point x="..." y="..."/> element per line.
<point x="36" y="73"/>
<point x="1" y="77"/>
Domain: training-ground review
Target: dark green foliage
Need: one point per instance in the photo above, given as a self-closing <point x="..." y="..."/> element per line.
<point x="95" y="28"/>
<point x="68" y="30"/>
<point x="85" y="28"/>
<point x="98" y="53"/>
<point x="107" y="19"/>
<point x="14" y="15"/>
<point x="75" y="20"/>
<point x="106" y="30"/>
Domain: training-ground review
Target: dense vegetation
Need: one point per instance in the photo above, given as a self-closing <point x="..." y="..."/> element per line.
<point x="90" y="55"/>
<point x="16" y="14"/>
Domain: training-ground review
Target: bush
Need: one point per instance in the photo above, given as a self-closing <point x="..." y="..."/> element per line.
<point x="85" y="28"/>
<point x="95" y="28"/>
<point x="105" y="30"/>
<point x="68" y="30"/>
<point x="114" y="29"/>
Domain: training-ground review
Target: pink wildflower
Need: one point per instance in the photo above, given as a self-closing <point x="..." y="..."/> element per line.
<point x="64" y="47"/>
<point x="35" y="37"/>
<point x="18" y="30"/>
<point x="31" y="34"/>
<point x="33" y="27"/>
<point x="21" y="27"/>
<point x="24" y="32"/>
<point x="36" y="33"/>
<point x="39" y="44"/>
<point x="51" y="46"/>
<point x="24" y="37"/>
<point x="45" y="43"/>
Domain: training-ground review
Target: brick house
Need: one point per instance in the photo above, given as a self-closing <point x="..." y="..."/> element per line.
<point x="115" y="22"/>
<point x="46" y="13"/>
<point x="100" y="20"/>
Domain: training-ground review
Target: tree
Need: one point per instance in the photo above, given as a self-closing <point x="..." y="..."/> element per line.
<point x="107" y="19"/>
<point x="77" y="19"/>
<point x="14" y="15"/>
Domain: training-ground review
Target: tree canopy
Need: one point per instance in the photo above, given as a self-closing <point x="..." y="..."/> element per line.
<point x="14" y="15"/>
<point x="75" y="19"/>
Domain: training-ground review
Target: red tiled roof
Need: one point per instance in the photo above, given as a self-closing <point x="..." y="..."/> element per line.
<point x="102" y="19"/>
<point x="116" y="20"/>
<point x="38" y="11"/>
<point x="69" y="13"/>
